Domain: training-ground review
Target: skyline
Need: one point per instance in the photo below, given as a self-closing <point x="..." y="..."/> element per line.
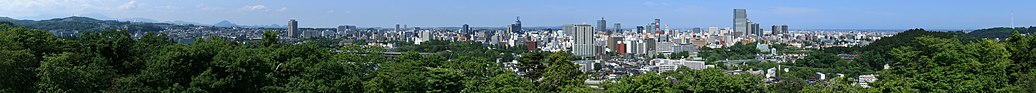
<point x="884" y="14"/>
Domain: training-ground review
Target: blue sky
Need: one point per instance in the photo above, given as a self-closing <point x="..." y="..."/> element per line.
<point x="799" y="14"/>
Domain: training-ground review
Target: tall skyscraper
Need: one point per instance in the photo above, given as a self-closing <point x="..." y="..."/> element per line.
<point x="569" y="29"/>
<point x="756" y="30"/>
<point x="658" y="26"/>
<point x="517" y="26"/>
<point x="583" y="45"/>
<point x="397" y="27"/>
<point x="465" y="29"/>
<point x="697" y="30"/>
<point x="740" y="22"/>
<point x="784" y="29"/>
<point x="617" y="29"/>
<point x="293" y="27"/>
<point x="775" y="29"/>
<point x="602" y="26"/>
<point x="640" y="29"/>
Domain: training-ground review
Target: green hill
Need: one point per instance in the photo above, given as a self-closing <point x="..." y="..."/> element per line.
<point x="85" y="24"/>
<point x="1000" y="32"/>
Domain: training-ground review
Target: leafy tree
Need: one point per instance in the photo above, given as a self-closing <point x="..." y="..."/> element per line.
<point x="509" y="83"/>
<point x="532" y="64"/>
<point x="644" y="83"/>
<point x="235" y="70"/>
<point x="70" y="72"/>
<point x="837" y="85"/>
<point x="560" y="72"/>
<point x="269" y="38"/>
<point x="444" y="80"/>
<point x="714" y="81"/>
<point x="404" y="75"/>
<point x="937" y="65"/>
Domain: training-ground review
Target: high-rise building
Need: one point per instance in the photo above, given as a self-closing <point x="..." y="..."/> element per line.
<point x="569" y="29"/>
<point x="613" y="42"/>
<point x="617" y="29"/>
<point x="640" y="29"/>
<point x="583" y="45"/>
<point x="293" y="28"/>
<point x="715" y="30"/>
<point x="756" y="30"/>
<point x="775" y="30"/>
<point x="346" y="30"/>
<point x="658" y="26"/>
<point x="697" y="30"/>
<point x="784" y="29"/>
<point x="466" y="29"/>
<point x="517" y="26"/>
<point x="397" y="27"/>
<point x="602" y="26"/>
<point x="740" y="22"/>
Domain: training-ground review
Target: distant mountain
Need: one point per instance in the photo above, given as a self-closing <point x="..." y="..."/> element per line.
<point x="178" y="22"/>
<point x="225" y="23"/>
<point x="1001" y="32"/>
<point x="78" y="24"/>
<point x="98" y="16"/>
<point x="139" y="20"/>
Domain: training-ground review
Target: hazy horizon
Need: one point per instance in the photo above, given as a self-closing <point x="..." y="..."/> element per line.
<point x="884" y="14"/>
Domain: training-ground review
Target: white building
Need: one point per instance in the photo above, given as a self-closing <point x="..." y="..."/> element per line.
<point x="662" y="65"/>
<point x="583" y="44"/>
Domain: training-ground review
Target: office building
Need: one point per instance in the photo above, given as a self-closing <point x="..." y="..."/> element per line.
<point x="583" y="46"/>
<point x="715" y="31"/>
<point x="466" y="29"/>
<point x="697" y="30"/>
<point x="740" y="22"/>
<point x="640" y="29"/>
<point x="568" y="29"/>
<point x="516" y="27"/>
<point x="602" y="26"/>
<point x="617" y="28"/>
<point x="756" y="30"/>
<point x="293" y="28"/>
<point x="658" y="26"/>
<point x="784" y="29"/>
<point x="613" y="43"/>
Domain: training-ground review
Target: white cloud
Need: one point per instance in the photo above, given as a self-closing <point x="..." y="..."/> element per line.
<point x="129" y="5"/>
<point x="204" y="7"/>
<point x="282" y="9"/>
<point x="330" y="11"/>
<point x="263" y="8"/>
<point x="255" y="8"/>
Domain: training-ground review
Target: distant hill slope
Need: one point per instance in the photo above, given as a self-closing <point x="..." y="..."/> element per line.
<point x="225" y="23"/>
<point x="86" y="24"/>
<point x="1000" y="32"/>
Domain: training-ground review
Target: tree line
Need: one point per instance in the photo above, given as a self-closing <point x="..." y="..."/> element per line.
<point x="111" y="61"/>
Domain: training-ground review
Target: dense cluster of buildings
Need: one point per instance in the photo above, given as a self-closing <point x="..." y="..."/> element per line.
<point x="605" y="52"/>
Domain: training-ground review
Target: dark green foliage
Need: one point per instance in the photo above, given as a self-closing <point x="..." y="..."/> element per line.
<point x="1001" y="32"/>
<point x="560" y="72"/>
<point x="736" y="52"/>
<point x="86" y="24"/>
<point x="646" y="83"/>
<point x="880" y="50"/>
<point x="269" y="38"/>
<point x="948" y="65"/>
<point x="110" y="61"/>
<point x="679" y="55"/>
